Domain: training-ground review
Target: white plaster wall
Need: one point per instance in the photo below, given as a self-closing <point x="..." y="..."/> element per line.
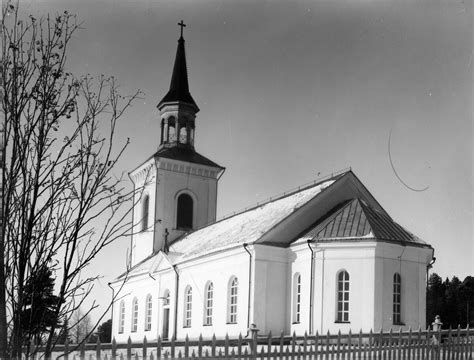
<point x="169" y="185"/>
<point x="269" y="303"/>
<point x="410" y="262"/>
<point x="142" y="241"/>
<point x="299" y="262"/>
<point x="218" y="268"/>
<point x="138" y="288"/>
<point x="358" y="260"/>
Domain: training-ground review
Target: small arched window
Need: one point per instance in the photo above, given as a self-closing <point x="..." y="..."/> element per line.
<point x="183" y="135"/>
<point x="233" y="297"/>
<point x="122" y="317"/>
<point x="145" y="212"/>
<point x="343" y="297"/>
<point x="148" y="312"/>
<point x="171" y="130"/>
<point x="135" y="315"/>
<point x="184" y="213"/>
<point x="188" y="306"/>
<point x="296" y="298"/>
<point x="397" y="298"/>
<point x="208" y="303"/>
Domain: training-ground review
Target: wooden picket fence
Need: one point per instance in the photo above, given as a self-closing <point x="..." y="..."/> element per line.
<point x="410" y="345"/>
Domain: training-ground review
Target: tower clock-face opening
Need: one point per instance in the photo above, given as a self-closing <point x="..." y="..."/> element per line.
<point x="184" y="213"/>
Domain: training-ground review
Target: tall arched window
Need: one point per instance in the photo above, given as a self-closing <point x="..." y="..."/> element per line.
<point x="343" y="296"/>
<point x="165" y="315"/>
<point x="122" y="317"/>
<point x="148" y="312"/>
<point x="184" y="213"/>
<point x="397" y="298"/>
<point x="296" y="298"/>
<point x="188" y="306"/>
<point x="134" y="315"/>
<point x="145" y="208"/>
<point x="233" y="297"/>
<point x="208" y="303"/>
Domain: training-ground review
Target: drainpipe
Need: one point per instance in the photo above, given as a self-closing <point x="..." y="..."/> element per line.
<point x="175" y="330"/>
<point x="311" y="289"/>
<point x="112" y="311"/>
<point x="428" y="267"/>
<point x="250" y="287"/>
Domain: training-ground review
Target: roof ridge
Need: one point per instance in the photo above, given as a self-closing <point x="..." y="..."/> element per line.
<point x="292" y="191"/>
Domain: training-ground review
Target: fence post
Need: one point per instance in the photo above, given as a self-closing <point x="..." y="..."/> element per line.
<point x="82" y="352"/>
<point x="129" y="349"/>
<point x="144" y="348"/>
<point x="253" y="334"/>
<point x="114" y="349"/>
<point x="66" y="349"/>
<point x="97" y="350"/>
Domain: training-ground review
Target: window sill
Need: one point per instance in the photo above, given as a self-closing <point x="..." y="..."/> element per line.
<point x="295" y="323"/>
<point x="147" y="329"/>
<point x="399" y="323"/>
<point x="206" y="324"/>
<point x="341" y="322"/>
<point x="186" y="326"/>
<point x="231" y="323"/>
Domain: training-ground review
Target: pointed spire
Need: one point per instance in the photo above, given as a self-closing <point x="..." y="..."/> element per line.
<point x="179" y="87"/>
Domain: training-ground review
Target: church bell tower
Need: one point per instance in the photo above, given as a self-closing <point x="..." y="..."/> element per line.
<point x="176" y="188"/>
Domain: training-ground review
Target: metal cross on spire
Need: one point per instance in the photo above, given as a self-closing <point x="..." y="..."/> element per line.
<point x="182" y="24"/>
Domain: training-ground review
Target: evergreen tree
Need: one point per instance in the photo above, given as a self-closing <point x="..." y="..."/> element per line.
<point x="105" y="331"/>
<point x="435" y="302"/>
<point x="37" y="314"/>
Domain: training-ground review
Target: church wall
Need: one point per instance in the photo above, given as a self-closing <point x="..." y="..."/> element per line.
<point x="139" y="288"/>
<point x="358" y="260"/>
<point x="410" y="262"/>
<point x="169" y="186"/>
<point x="299" y="263"/>
<point x="218" y="268"/>
<point x="142" y="241"/>
<point x="270" y="289"/>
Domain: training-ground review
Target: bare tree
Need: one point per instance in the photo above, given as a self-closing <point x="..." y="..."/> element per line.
<point x="82" y="326"/>
<point x="62" y="202"/>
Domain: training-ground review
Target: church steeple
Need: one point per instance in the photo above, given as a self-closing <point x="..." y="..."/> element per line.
<point x="178" y="108"/>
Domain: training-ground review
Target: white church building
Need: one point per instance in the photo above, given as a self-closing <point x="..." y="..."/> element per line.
<point x="324" y="257"/>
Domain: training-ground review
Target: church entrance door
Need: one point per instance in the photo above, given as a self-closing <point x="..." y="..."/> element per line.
<point x="166" y="323"/>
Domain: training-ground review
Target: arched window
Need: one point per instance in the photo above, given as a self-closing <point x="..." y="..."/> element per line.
<point x="148" y="312"/>
<point x="208" y="303"/>
<point x="183" y="135"/>
<point x="145" y="208"/>
<point x="233" y="297"/>
<point x="171" y="129"/>
<point x="135" y="315"/>
<point x="184" y="213"/>
<point x="296" y="298"/>
<point x="343" y="297"/>
<point x="122" y="317"/>
<point x="165" y="329"/>
<point x="397" y="298"/>
<point x="188" y="306"/>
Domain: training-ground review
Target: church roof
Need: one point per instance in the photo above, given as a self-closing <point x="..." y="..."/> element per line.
<point x="356" y="219"/>
<point x="248" y="226"/>
<point x="185" y="154"/>
<point x="179" y="87"/>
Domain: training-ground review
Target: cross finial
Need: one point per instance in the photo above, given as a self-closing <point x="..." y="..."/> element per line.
<point x="182" y="24"/>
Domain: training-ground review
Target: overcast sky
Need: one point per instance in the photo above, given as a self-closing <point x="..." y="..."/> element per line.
<point x="289" y="90"/>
